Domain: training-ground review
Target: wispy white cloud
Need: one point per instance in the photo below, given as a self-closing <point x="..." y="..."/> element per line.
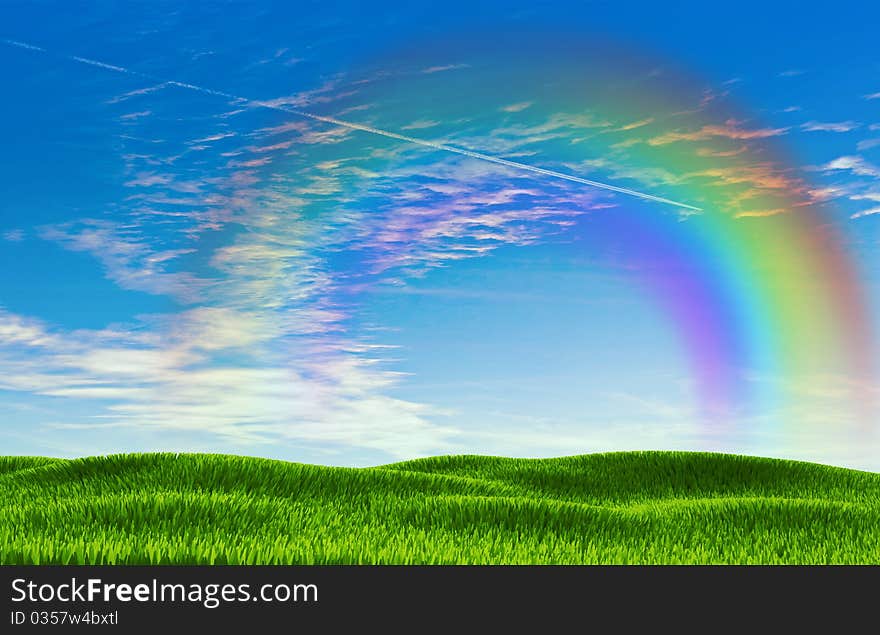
<point x="861" y="189"/>
<point x="444" y="67"/>
<point x="18" y="330"/>
<point x="832" y="126"/>
<point x="866" y="212"/>
<point x="139" y="92"/>
<point x="128" y="260"/>
<point x="149" y="179"/>
<point x="517" y="107"/>
<point x="420" y="124"/>
<point x="135" y="115"/>
<point x="867" y="196"/>
<point x="855" y="164"/>
<point x="214" y="137"/>
<point x="867" y="144"/>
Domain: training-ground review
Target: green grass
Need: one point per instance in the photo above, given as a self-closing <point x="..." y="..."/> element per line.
<point x="634" y="507"/>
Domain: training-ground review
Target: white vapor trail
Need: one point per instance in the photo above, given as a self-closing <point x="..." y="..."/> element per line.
<point x="364" y="128"/>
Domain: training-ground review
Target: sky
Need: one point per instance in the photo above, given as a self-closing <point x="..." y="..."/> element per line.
<point x="350" y="235"/>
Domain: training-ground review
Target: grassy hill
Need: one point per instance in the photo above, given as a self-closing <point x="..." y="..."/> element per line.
<point x="634" y="507"/>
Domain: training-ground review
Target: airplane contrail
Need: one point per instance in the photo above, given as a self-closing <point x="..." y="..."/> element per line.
<point x="364" y="128"/>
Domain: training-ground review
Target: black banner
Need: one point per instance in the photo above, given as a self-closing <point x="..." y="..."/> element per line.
<point x="130" y="599"/>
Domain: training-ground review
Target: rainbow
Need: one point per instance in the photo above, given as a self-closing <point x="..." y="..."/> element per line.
<point x="759" y="286"/>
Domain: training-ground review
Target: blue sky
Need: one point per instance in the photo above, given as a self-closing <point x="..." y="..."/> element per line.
<point x="191" y="271"/>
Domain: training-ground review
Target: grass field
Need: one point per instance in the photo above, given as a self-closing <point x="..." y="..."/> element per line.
<point x="635" y="507"/>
